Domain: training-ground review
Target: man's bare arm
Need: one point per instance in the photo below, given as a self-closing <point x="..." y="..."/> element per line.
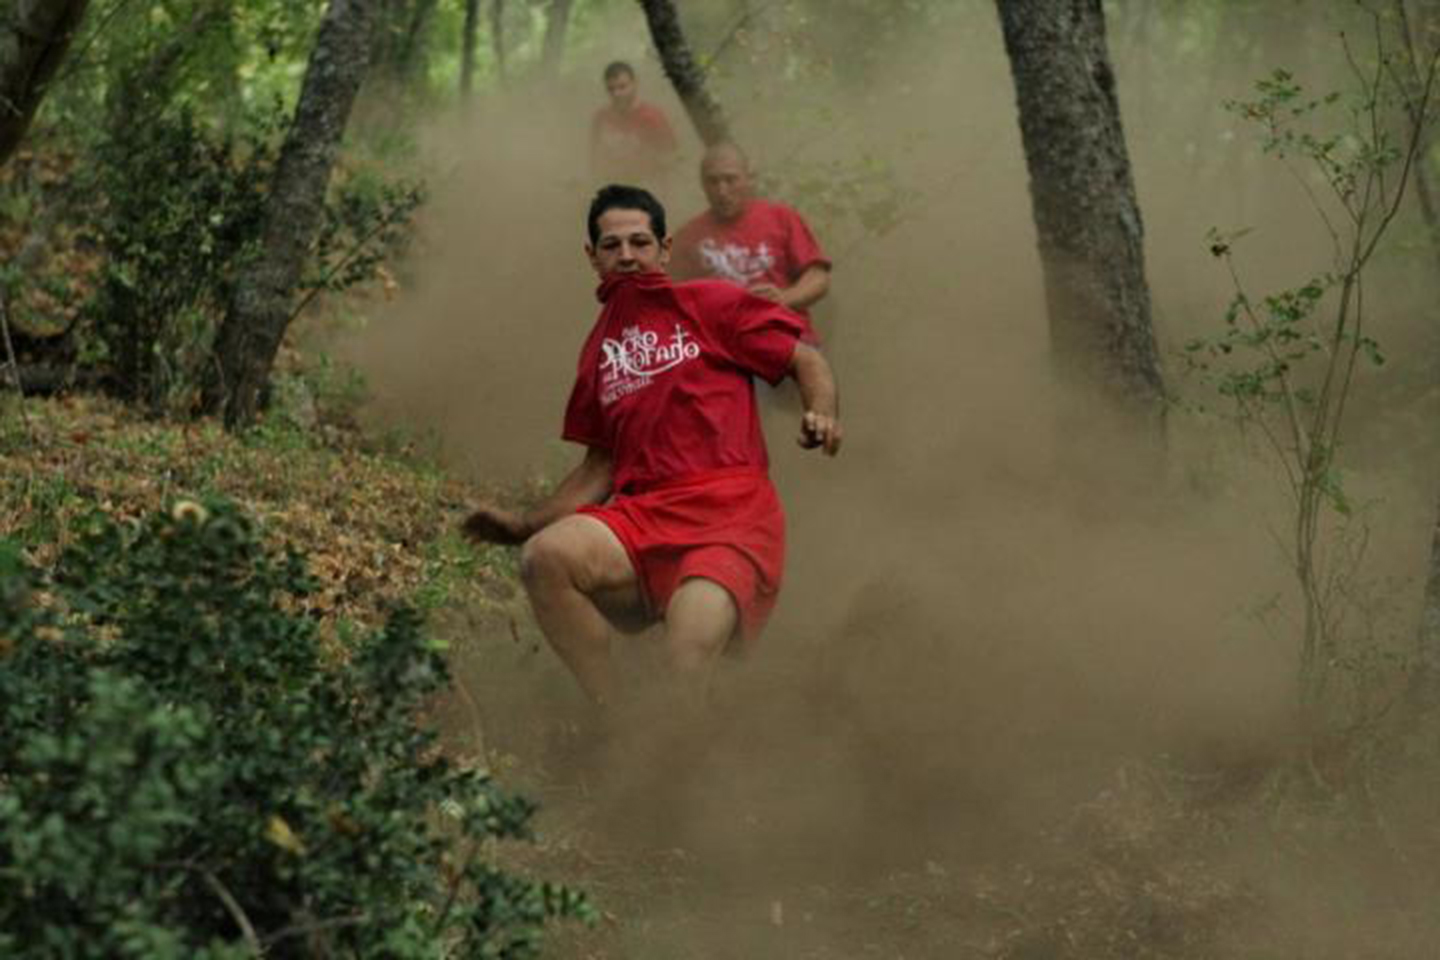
<point x="588" y="483"/>
<point x="808" y="288"/>
<point x="820" y="425"/>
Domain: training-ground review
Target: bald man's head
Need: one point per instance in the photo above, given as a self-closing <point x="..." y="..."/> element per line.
<point x="725" y="177"/>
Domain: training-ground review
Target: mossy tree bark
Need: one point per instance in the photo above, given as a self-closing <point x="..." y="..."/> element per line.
<point x="1083" y="197"/>
<point x="263" y="303"/>
<point x="34" y="37"/>
<point x="685" y="74"/>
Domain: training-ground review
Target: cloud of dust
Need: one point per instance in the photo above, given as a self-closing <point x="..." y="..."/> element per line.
<point x="969" y="642"/>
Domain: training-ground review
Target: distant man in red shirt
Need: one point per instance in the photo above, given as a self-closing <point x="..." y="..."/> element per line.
<point x="671" y="516"/>
<point x="630" y="140"/>
<point x="762" y="246"/>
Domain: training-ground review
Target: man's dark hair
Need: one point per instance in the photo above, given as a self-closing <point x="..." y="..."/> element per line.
<point x="617" y="196"/>
<point x="618" y="67"/>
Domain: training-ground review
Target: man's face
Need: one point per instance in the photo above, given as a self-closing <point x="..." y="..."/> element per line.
<point x="621" y="88"/>
<point x="627" y="244"/>
<point x="725" y="176"/>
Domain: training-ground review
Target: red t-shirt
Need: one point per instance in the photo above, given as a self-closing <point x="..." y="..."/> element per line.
<point x="664" y="380"/>
<point x="633" y="145"/>
<point x="767" y="243"/>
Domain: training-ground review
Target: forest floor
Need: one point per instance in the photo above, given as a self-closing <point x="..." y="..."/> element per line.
<point x="704" y="853"/>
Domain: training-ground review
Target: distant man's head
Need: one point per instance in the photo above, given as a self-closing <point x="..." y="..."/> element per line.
<point x="627" y="231"/>
<point x="725" y="177"/>
<point x="620" y="84"/>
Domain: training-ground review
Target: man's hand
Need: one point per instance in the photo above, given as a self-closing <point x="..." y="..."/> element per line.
<point x="491" y="524"/>
<point x="770" y="292"/>
<point x="819" y="430"/>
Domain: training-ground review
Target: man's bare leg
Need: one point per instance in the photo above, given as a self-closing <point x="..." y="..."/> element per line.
<point x="699" y="623"/>
<point x="572" y="569"/>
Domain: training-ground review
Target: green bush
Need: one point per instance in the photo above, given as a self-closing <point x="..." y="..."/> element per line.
<point x="185" y="771"/>
<point x="180" y="208"/>
<point x="177" y="209"/>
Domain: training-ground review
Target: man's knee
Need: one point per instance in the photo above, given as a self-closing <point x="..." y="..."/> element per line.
<point x="578" y="552"/>
<point x="544" y="559"/>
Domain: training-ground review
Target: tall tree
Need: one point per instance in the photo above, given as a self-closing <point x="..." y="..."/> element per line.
<point x="34" y="36"/>
<point x="263" y="303"/>
<point x="557" y="25"/>
<point x="1425" y="688"/>
<point x="402" y="30"/>
<point x="497" y="37"/>
<point x="467" y="47"/>
<point x="684" y="73"/>
<point x="1417" y="41"/>
<point x="1418" y="37"/>
<point x="1083" y="198"/>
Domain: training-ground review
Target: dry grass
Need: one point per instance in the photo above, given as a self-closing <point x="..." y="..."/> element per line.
<point x="378" y="528"/>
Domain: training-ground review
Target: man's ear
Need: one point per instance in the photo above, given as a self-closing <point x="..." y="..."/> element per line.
<point x="665" y="246"/>
<point x="590" y="255"/>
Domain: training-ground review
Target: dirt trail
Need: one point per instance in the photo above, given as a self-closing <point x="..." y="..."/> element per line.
<point x="978" y="664"/>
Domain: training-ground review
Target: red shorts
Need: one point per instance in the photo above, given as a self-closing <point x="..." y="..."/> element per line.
<point x="726" y="526"/>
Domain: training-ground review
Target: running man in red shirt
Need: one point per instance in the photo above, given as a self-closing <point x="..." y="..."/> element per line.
<point x="630" y="140"/>
<point x="765" y="247"/>
<point x="671" y="516"/>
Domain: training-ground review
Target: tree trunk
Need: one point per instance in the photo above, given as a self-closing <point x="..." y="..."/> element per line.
<point x="398" y="55"/>
<point x="34" y="35"/>
<point x="553" y="45"/>
<point x="1083" y="198"/>
<point x="262" y="305"/>
<point x="1417" y="41"/>
<point x="685" y="75"/>
<point x="1425" y="677"/>
<point x="414" y="62"/>
<point x="497" y="37"/>
<point x="1418" y="36"/>
<point x="467" y="48"/>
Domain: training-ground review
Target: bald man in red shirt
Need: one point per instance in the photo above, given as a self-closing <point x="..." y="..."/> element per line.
<point x="763" y="246"/>
<point x="671" y="516"/>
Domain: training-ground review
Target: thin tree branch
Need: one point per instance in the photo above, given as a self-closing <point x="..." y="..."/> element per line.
<point x="350" y="257"/>
<point x="304" y="928"/>
<point x="741" y="22"/>
<point x="455" y="882"/>
<point x="77" y="60"/>
<point x="232" y="907"/>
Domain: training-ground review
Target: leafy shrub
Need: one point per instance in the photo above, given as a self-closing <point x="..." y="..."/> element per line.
<point x="180" y="209"/>
<point x="1289" y="361"/>
<point x="185" y="771"/>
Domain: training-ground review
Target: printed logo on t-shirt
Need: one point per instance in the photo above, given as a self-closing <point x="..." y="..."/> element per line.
<point x="736" y="263"/>
<point x="632" y="362"/>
